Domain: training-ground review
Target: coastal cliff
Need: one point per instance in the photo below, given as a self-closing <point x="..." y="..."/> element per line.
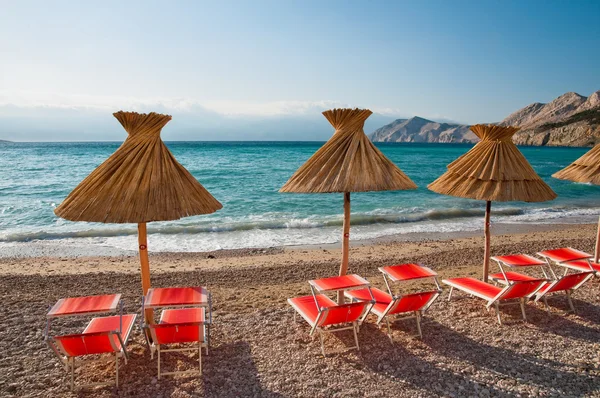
<point x="569" y="120"/>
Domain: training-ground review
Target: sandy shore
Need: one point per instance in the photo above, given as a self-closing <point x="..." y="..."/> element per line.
<point x="259" y="351"/>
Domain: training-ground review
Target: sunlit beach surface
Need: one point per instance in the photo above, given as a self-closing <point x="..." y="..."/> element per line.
<point x="257" y="350"/>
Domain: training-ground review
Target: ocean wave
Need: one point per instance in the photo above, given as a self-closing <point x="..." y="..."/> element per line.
<point x="276" y="223"/>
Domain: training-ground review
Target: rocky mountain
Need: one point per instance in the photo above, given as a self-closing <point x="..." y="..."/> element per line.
<point x="418" y="129"/>
<point x="569" y="120"/>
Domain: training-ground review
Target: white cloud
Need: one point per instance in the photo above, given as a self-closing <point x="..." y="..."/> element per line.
<point x="26" y="99"/>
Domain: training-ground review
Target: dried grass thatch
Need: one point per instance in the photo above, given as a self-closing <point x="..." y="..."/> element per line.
<point x="493" y="170"/>
<point x="140" y="182"/>
<point x="348" y="162"/>
<point x="586" y="169"/>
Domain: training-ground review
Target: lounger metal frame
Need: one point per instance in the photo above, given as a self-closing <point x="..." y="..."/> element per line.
<point x="557" y="279"/>
<point x="207" y="324"/>
<point x="495" y="301"/>
<point x="197" y="346"/>
<point x="323" y="311"/>
<point x="396" y="301"/>
<point x="69" y="361"/>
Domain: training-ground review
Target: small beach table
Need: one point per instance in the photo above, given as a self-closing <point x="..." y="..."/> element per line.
<point x="338" y="284"/>
<point x="406" y="306"/>
<point x="181" y="305"/>
<point x="571" y="259"/>
<point x="518" y="262"/>
<point x="106" y="334"/>
<point x="79" y="306"/>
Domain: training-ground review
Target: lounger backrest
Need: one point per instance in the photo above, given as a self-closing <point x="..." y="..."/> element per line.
<point x="343" y="313"/>
<point x="568" y="282"/>
<point x="521" y="289"/>
<point x="413" y="302"/>
<point x="177" y="333"/>
<point x="75" y="345"/>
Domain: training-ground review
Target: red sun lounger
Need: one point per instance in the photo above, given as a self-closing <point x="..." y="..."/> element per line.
<point x="326" y="316"/>
<point x="494" y="295"/>
<point x="571" y="258"/>
<point x="520" y="262"/>
<point x="568" y="283"/>
<point x="408" y="305"/>
<point x="105" y="335"/>
<point x="183" y="327"/>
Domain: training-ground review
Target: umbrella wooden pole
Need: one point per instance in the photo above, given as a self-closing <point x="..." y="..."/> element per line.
<point x="486" y="259"/>
<point x="597" y="251"/>
<point x="145" y="265"/>
<point x="345" y="242"/>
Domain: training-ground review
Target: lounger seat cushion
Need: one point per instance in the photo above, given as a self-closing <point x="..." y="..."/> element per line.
<point x="583" y="265"/>
<point x="512" y="276"/>
<point x="307" y="308"/>
<point x="565" y="283"/>
<point x="382" y="299"/>
<point x="98" y="338"/>
<point x="173" y="333"/>
<point x="474" y="286"/>
<point x="334" y="315"/>
<point x="182" y="315"/>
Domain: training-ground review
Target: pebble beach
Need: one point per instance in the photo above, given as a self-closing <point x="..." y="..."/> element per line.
<point x="257" y="349"/>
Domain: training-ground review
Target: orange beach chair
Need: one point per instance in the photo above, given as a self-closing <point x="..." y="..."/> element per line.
<point x="182" y="326"/>
<point x="406" y="306"/>
<point x="514" y="292"/>
<point x="103" y="335"/>
<point x="183" y="323"/>
<point x="571" y="260"/>
<point x="326" y="316"/>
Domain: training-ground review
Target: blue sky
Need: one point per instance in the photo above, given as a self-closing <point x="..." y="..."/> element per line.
<point x="464" y="61"/>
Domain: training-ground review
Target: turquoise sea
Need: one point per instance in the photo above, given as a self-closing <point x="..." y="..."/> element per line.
<point x="246" y="177"/>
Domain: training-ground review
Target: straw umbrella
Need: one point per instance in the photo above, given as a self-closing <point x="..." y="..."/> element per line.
<point x="586" y="169"/>
<point x="348" y="162"/>
<point x="494" y="170"/>
<point x="139" y="183"/>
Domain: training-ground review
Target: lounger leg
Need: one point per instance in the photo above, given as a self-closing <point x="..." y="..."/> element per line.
<point x="200" y="357"/>
<point x="522" y="302"/>
<point x="497" y="307"/>
<point x="72" y="373"/>
<point x="158" y="349"/>
<point x="418" y="317"/>
<point x="546" y="303"/>
<point x="570" y="301"/>
<point x="450" y="294"/>
<point x="117" y="370"/>
<point x="389" y="328"/>
<point x="355" y="335"/>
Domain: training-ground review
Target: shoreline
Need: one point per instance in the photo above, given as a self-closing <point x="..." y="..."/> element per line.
<point x="61" y="249"/>
<point x="382" y="250"/>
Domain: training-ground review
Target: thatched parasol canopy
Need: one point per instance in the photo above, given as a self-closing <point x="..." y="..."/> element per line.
<point x="140" y="182"/>
<point x="493" y="170"/>
<point x="586" y="169"/>
<point x="348" y="162"/>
